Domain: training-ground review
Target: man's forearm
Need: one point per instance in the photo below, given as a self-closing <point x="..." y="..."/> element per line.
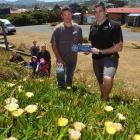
<point x="22" y="62"/>
<point x="55" y="50"/>
<point x="116" y="48"/>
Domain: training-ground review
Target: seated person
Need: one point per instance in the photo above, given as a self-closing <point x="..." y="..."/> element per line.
<point x="42" y="67"/>
<point x="44" y="58"/>
<point x="16" y="58"/>
<point x="34" y="49"/>
<point x="33" y="63"/>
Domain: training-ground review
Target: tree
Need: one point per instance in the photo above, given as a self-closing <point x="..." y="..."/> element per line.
<point x="36" y="7"/>
<point x="54" y="16"/>
<point x="84" y="9"/>
<point x="75" y="7"/>
<point x="56" y="7"/>
<point x="36" y="17"/>
<point x="22" y="20"/>
<point x="118" y="3"/>
<point x="39" y="16"/>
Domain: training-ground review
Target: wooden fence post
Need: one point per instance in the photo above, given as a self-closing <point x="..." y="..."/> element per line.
<point x="4" y="36"/>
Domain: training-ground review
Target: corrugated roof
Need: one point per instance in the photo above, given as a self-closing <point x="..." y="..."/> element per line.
<point x="75" y="14"/>
<point x="16" y="11"/>
<point x="134" y="15"/>
<point x="123" y="10"/>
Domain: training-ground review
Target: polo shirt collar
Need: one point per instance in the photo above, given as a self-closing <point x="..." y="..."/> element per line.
<point x="104" y="23"/>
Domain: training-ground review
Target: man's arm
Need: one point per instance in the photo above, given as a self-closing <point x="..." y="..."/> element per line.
<point x="53" y="41"/>
<point x="116" y="48"/>
<point x="21" y="63"/>
<point x="117" y="42"/>
<point x="56" y="53"/>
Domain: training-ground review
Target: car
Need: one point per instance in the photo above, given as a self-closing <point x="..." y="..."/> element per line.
<point x="9" y="27"/>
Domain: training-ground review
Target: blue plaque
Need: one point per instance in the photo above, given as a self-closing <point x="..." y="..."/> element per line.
<point x="82" y="48"/>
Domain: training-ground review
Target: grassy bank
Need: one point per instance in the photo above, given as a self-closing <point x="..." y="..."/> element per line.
<point x="83" y="106"/>
<point x="41" y="121"/>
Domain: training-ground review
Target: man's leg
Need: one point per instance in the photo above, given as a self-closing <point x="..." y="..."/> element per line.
<point x="61" y="79"/>
<point x="110" y="67"/>
<point x="70" y="68"/>
<point x="98" y="70"/>
<point x="106" y="87"/>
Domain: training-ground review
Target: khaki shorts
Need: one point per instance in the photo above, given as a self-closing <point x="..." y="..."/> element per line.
<point x="106" y="66"/>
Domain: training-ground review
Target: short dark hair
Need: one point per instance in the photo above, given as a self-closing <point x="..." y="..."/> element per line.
<point x="100" y="4"/>
<point x="66" y="9"/>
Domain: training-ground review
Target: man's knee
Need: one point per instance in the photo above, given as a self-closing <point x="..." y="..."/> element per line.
<point x="108" y="80"/>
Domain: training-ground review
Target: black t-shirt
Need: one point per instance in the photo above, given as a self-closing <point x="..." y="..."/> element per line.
<point x="34" y="50"/>
<point x="105" y="36"/>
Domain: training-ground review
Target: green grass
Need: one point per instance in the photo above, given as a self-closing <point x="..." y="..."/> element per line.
<point x="83" y="105"/>
<point x="10" y="70"/>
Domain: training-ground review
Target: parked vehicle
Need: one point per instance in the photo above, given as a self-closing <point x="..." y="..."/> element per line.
<point x="9" y="27"/>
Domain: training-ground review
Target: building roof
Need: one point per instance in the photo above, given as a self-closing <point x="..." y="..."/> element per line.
<point x="91" y="15"/>
<point x="77" y="14"/>
<point x="124" y="10"/>
<point x="4" y="11"/>
<point x="134" y="15"/>
<point x="17" y="11"/>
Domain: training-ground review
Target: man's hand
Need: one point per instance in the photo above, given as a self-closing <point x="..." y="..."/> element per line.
<point x="59" y="60"/>
<point x="21" y="63"/>
<point x="57" y="55"/>
<point x="95" y="51"/>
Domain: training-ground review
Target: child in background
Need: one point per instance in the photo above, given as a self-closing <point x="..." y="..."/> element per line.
<point x="33" y="63"/>
<point x="34" y="49"/>
<point x="43" y="67"/>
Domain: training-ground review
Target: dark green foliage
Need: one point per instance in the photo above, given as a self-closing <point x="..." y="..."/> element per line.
<point x="36" y="17"/>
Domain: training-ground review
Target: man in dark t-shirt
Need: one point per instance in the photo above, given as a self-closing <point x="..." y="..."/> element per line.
<point x="107" y="40"/>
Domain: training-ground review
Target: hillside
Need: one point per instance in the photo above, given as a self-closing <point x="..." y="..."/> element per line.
<point x="35" y="108"/>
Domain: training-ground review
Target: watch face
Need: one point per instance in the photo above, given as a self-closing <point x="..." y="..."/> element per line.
<point x="100" y="53"/>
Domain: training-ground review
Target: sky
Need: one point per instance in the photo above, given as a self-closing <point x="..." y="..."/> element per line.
<point x="40" y="0"/>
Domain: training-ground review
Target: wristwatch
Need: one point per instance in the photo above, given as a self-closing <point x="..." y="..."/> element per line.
<point x="100" y="52"/>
